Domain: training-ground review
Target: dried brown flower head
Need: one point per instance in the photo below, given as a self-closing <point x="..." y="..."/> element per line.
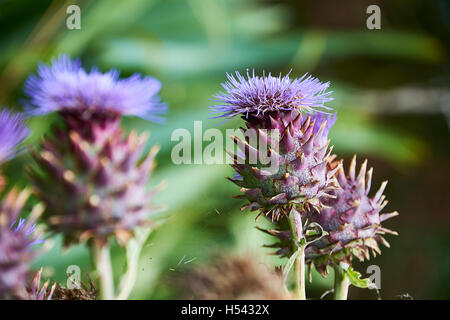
<point x="234" y="278"/>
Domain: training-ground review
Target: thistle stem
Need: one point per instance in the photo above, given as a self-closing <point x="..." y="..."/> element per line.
<point x="300" y="273"/>
<point x="105" y="272"/>
<point x="297" y="236"/>
<point x="341" y="283"/>
<point x="129" y="279"/>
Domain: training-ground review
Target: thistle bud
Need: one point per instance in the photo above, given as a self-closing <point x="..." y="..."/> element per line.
<point x="352" y="219"/>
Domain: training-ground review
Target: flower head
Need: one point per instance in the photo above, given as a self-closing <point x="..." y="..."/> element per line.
<point x="65" y="85"/>
<point x="12" y="133"/>
<point x="95" y="189"/>
<point x="259" y="95"/>
<point x="17" y="237"/>
<point x="352" y="219"/>
<point x="298" y="173"/>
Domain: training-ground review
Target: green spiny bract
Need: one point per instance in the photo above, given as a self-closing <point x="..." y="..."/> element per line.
<point x="297" y="174"/>
<point x="93" y="179"/>
<point x="352" y="220"/>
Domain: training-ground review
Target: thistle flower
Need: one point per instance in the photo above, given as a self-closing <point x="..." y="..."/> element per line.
<point x="66" y="87"/>
<point x="352" y="219"/>
<point x="17" y="238"/>
<point x="12" y="133"/>
<point x="260" y="96"/>
<point x="299" y="150"/>
<point x="302" y="177"/>
<point x="91" y="176"/>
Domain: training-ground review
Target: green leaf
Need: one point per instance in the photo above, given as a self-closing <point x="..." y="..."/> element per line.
<point x="290" y="263"/>
<point x="355" y="278"/>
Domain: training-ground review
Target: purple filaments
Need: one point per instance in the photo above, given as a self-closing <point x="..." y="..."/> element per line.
<point x="259" y="95"/>
<point x="12" y="133"/>
<point x="28" y="231"/>
<point x="65" y="85"/>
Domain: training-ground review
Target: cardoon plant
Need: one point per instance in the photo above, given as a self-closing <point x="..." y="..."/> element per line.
<point x="298" y="147"/>
<point x="320" y="214"/>
<point x="91" y="176"/>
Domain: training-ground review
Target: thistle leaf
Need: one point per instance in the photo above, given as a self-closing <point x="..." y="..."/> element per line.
<point x="290" y="263"/>
<point x="355" y="278"/>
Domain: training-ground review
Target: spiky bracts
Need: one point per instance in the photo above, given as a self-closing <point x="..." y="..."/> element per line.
<point x="282" y="231"/>
<point x="284" y="152"/>
<point x="297" y="173"/>
<point x="93" y="179"/>
<point x="17" y="238"/>
<point x="83" y="292"/>
<point x="352" y="219"/>
<point x="38" y="292"/>
<point x="234" y="278"/>
<point x="65" y="85"/>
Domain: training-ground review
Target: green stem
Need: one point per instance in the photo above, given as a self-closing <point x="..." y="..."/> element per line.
<point x="300" y="272"/>
<point x="134" y="249"/>
<point x="297" y="236"/>
<point x="129" y="279"/>
<point x="341" y="283"/>
<point x="105" y="274"/>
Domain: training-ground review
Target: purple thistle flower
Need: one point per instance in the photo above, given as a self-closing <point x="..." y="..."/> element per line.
<point x="259" y="95"/>
<point x="299" y="151"/>
<point x="12" y="133"/>
<point x="92" y="176"/>
<point x="17" y="237"/>
<point x="66" y="86"/>
<point x="352" y="219"/>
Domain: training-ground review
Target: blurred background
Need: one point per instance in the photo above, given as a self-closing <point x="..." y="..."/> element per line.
<point x="390" y="91"/>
